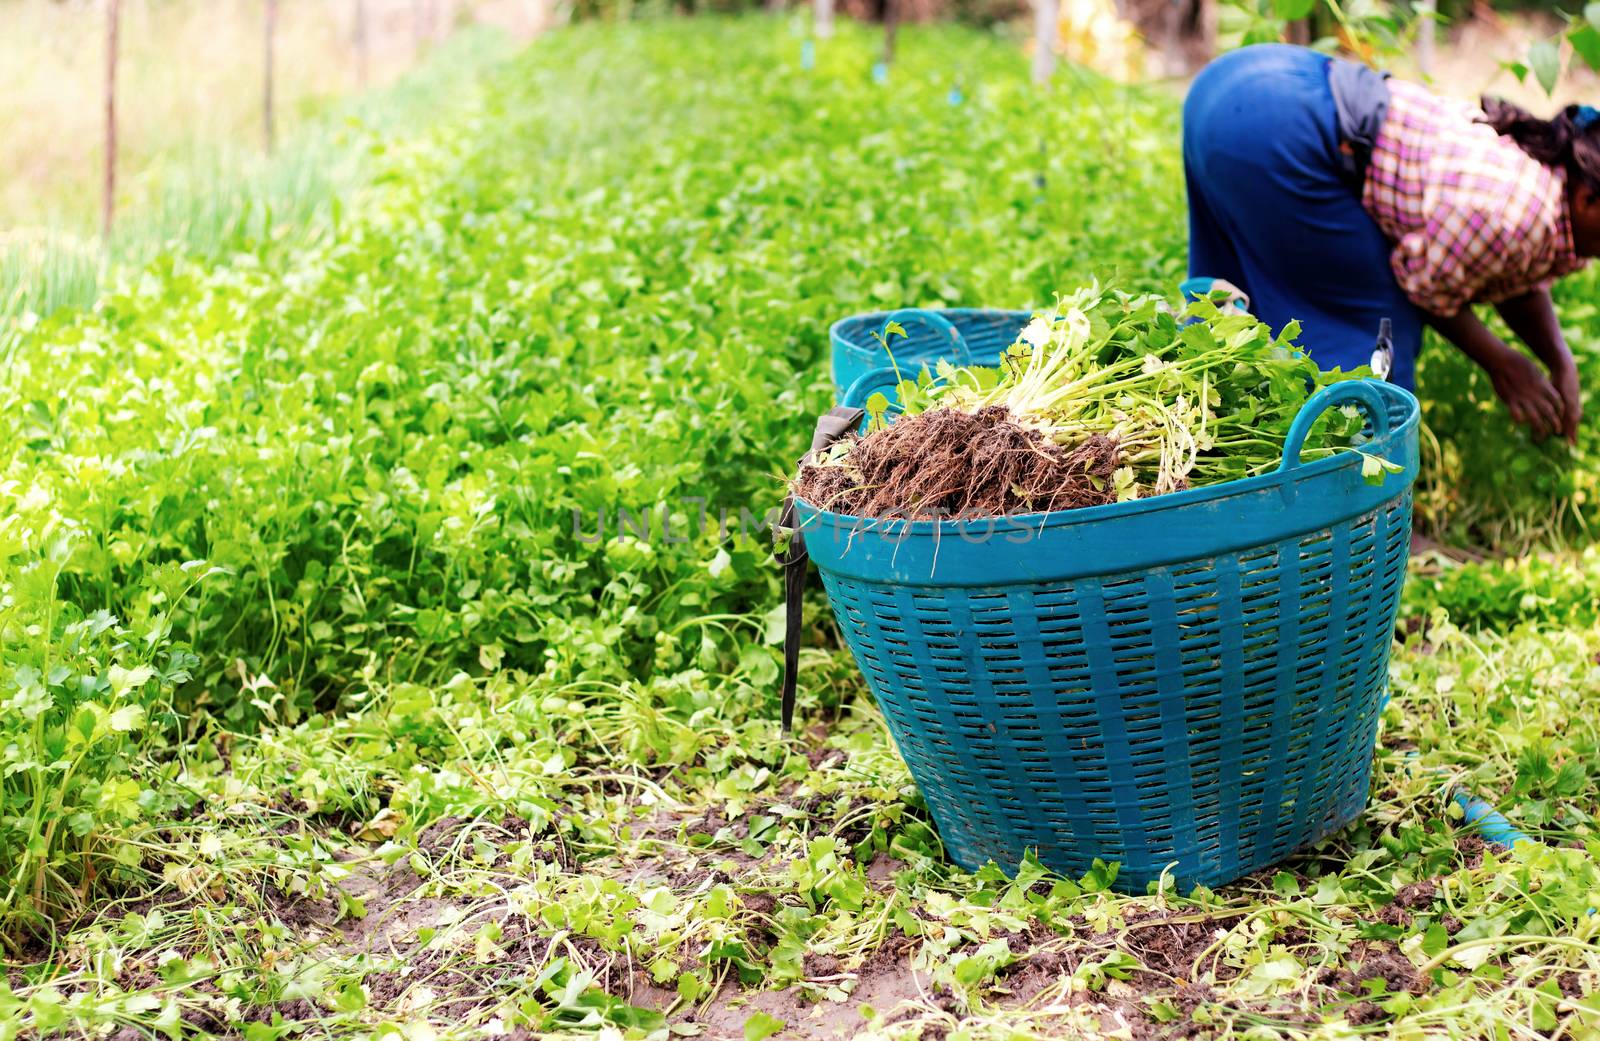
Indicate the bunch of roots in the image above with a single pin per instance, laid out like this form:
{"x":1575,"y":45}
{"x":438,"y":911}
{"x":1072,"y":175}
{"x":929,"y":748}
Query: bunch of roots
{"x":947,"y":463}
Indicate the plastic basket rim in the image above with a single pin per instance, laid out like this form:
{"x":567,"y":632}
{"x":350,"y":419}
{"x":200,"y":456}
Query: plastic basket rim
{"x":837,"y":338}
{"x":1155,"y":504}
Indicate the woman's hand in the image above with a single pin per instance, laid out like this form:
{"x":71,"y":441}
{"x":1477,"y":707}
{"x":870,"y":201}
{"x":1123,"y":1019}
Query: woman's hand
{"x":1532,"y":398}
{"x":1532,"y":316}
{"x":1547,"y":405}
{"x":1565,"y":379}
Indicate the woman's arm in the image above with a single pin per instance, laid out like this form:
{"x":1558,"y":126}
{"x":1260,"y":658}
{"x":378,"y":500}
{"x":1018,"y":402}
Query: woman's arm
{"x":1532,"y":316}
{"x":1531,"y":397}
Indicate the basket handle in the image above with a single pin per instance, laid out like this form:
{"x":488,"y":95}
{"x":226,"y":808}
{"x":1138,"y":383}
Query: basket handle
{"x":868,"y":382}
{"x":1347,"y":392}
{"x":935,"y":321}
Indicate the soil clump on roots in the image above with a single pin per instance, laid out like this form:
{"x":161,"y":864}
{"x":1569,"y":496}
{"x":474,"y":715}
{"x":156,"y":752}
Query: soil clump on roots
{"x":946,"y":463}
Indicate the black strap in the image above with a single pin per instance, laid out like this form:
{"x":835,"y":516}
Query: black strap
{"x":836,"y":424}
{"x":1361,"y":99}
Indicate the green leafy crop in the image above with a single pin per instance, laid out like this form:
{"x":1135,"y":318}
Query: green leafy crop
{"x":1189,"y":399}
{"x":466,"y":726}
{"x":502,"y":419}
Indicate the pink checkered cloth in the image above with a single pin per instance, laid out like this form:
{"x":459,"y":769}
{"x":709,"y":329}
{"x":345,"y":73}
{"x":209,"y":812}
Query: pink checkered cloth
{"x":1473,"y":217}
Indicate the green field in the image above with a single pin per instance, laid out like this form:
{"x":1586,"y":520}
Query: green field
{"x":325,"y":713}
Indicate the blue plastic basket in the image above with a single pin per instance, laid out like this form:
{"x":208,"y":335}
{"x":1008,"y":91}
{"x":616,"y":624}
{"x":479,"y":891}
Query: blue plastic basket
{"x":1188,"y":684}
{"x":964,"y":336}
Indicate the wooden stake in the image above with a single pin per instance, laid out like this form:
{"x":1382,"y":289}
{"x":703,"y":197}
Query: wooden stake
{"x":891,"y":25}
{"x":1172,"y":35}
{"x":1427,"y":35}
{"x":108,"y":204}
{"x":269,"y":41}
{"x":824,"y":19}
{"x":1044,"y":40}
{"x":361,"y":40}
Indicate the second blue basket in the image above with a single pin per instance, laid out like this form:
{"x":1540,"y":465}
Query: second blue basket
{"x":963,"y":336}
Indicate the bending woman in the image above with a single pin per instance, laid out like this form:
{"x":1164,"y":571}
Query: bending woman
{"x":1334,"y":195}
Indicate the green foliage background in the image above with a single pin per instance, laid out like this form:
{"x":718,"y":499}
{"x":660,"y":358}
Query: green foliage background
{"x":288,"y":549}
{"x":593,"y":293}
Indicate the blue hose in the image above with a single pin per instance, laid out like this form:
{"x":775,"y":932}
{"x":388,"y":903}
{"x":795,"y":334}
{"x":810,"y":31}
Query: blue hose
{"x":1490,"y":823}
